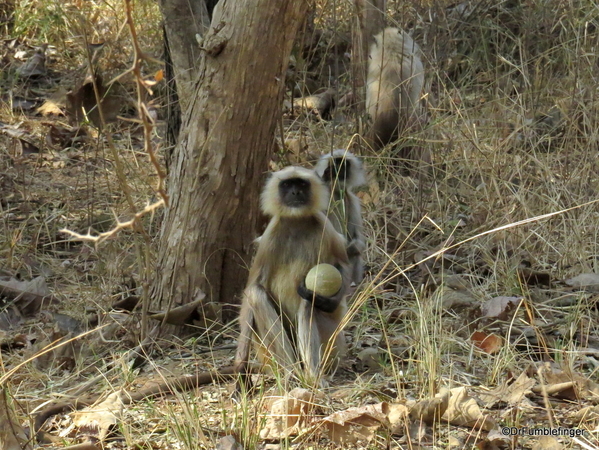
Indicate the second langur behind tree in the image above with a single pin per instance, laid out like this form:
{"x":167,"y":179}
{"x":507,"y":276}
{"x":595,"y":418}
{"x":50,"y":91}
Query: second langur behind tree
{"x":342,"y":172}
{"x":287,"y":323}
{"x":395,"y":85}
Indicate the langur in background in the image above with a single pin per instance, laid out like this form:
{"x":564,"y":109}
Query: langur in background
{"x":342,"y":172}
{"x":394,"y":90}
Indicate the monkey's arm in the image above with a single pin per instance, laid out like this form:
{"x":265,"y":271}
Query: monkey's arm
{"x":356,"y":247}
{"x":320,"y":302}
{"x":356,"y":244}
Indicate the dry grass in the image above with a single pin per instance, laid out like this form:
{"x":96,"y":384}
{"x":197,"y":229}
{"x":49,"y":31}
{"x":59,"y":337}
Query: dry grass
{"x":514,"y":133}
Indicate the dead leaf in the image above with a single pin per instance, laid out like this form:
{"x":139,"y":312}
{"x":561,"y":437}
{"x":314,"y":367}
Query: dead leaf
{"x":10,"y":342}
{"x":36,"y":286}
{"x":295,"y":147}
{"x":496,"y":439}
{"x":22,"y":138}
{"x":489,"y":343}
{"x":512,"y":393}
{"x":500,"y":307}
{"x":97,"y":421}
{"x":51,"y":108}
{"x":27,"y":296}
{"x":61,"y":137}
{"x":430,"y":411}
{"x":419,"y":432}
{"x":464,"y":411}
{"x":547,"y":443}
{"x":588,"y":281}
{"x":58,"y":350}
{"x":372,"y":195}
{"x":13,"y":131}
{"x":521,"y":387}
{"x":398,"y":416}
{"x":12,"y":435}
{"x":67,"y":324}
{"x":228,"y":443}
{"x":27,"y":148}
{"x":357,"y":424}
{"x":81,"y":104}
{"x":22,"y":104}
{"x":10,"y":317}
{"x":288,"y":414}
{"x":454,"y":442}
{"x":453,"y":298}
{"x":36,"y":65}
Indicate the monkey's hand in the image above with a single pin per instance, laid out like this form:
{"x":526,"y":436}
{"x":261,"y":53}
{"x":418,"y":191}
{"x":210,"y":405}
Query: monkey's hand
{"x":355,"y":247}
{"x":324,"y":304}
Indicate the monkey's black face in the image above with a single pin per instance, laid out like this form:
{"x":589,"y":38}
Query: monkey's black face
{"x":295,"y":192}
{"x":338,"y":171}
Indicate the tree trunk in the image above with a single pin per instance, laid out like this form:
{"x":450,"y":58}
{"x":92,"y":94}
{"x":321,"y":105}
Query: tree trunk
{"x":183,"y":20}
{"x":224,"y":147}
{"x":369,"y":20}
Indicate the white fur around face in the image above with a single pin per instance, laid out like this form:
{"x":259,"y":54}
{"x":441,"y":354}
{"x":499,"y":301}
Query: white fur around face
{"x":357,"y":177}
{"x":271,"y":200}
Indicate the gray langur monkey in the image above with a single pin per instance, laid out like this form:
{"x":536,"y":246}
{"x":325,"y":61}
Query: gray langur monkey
{"x":286,"y":323}
{"x":394,"y":89}
{"x":342,"y":172}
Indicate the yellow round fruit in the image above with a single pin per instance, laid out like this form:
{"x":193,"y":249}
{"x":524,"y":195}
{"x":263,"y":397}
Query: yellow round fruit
{"x":324,"y":279}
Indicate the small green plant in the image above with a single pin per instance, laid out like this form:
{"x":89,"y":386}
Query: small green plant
{"x":41,"y":20}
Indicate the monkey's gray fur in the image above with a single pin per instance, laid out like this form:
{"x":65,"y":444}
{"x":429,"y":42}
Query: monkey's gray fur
{"x":395,"y":85}
{"x":342,"y":171}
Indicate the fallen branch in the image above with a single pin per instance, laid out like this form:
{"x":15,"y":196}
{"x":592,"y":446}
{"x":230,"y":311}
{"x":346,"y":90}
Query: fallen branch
{"x":31,"y":302}
{"x":119,"y":226}
{"x":179,"y":384}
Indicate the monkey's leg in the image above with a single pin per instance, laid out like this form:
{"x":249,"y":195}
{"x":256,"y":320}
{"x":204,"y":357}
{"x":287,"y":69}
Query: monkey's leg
{"x":269,"y":328}
{"x":354,"y":251}
{"x":244,"y":342}
{"x":357,"y":269}
{"x":308,"y":339}
{"x":334,"y":346}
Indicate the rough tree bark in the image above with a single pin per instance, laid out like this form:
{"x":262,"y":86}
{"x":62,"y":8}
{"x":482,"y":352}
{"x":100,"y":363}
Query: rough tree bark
{"x":226,"y":141}
{"x":183,"y":20}
{"x":369,"y":20}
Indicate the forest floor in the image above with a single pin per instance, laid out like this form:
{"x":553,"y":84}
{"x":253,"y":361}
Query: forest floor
{"x":477,"y":325}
